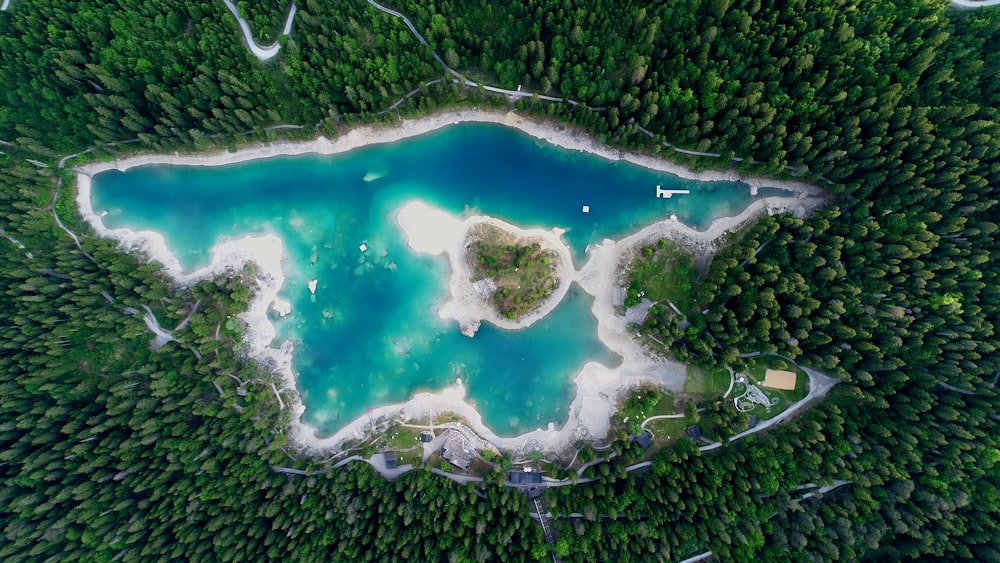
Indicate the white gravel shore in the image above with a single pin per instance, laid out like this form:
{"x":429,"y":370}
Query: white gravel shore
{"x":433,"y":231}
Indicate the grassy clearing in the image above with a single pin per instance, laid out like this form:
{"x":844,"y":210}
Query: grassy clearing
{"x":706,"y":384}
{"x":524,"y":274}
{"x":641,"y":404}
{"x":662,"y":273}
{"x":666,"y":431}
{"x":756,"y":371}
{"x":400,"y":438}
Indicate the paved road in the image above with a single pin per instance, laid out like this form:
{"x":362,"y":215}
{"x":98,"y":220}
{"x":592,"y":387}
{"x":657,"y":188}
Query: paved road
{"x":262,"y":52}
{"x":698,"y":557}
{"x":819,"y":386}
{"x":975,"y":3}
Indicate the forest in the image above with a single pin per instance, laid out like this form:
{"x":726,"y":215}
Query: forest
{"x":111,"y":450}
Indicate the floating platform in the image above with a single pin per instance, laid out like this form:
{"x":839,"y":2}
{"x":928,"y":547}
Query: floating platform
{"x":662,"y":193}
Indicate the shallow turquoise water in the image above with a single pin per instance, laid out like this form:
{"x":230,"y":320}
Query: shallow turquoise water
{"x":371,"y":335}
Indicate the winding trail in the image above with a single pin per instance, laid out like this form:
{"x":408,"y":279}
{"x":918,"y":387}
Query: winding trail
{"x":732,"y":382}
{"x":59,"y":223}
{"x":262,"y":52}
{"x":16,"y":243}
{"x":514,"y":95}
{"x":822,"y":491}
{"x":975,"y":3}
{"x":819,"y":386}
{"x":162,"y":336}
{"x":944,"y":385}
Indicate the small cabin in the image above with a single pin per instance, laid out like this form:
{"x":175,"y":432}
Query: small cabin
{"x":390,"y":460}
{"x":645,"y":439}
{"x":524,"y":478}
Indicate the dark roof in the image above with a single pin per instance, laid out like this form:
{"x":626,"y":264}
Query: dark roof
{"x":390,"y":460}
{"x":457,"y":451}
{"x":752,"y":421}
{"x":644,"y":439}
{"x":534,"y":492}
{"x":425,"y":436}
{"x":693,"y":432}
{"x":525,"y":477}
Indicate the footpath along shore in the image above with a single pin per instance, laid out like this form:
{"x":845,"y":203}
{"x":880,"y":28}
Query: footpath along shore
{"x":433,"y":231}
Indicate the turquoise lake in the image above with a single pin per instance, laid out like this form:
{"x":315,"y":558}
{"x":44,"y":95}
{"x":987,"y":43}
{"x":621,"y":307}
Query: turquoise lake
{"x":370,"y":335}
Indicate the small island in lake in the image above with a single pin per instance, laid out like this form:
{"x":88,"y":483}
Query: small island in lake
{"x":497,"y":289}
{"x":522,"y":274}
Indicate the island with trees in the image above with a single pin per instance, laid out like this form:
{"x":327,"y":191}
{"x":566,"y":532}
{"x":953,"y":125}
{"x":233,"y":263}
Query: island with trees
{"x":523,"y":274}
{"x":110,"y":450}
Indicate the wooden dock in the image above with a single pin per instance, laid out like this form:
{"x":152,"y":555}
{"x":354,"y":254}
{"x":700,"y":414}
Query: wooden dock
{"x":662,"y":193}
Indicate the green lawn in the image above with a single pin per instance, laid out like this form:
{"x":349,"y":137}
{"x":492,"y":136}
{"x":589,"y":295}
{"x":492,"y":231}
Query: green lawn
{"x":666,"y":431}
{"x":662,"y":273}
{"x":756,"y":370}
{"x":706,"y":384}
{"x":404,"y":441}
{"x":639,"y":405}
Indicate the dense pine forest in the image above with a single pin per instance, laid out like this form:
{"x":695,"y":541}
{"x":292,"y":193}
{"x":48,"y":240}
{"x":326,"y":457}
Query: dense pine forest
{"x":113,"y":450}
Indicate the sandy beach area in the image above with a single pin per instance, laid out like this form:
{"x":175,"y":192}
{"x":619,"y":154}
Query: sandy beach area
{"x":433,"y":231}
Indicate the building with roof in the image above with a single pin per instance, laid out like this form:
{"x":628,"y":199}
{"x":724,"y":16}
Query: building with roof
{"x":524,"y":478}
{"x":390,"y":459}
{"x":457,"y":450}
{"x":693,"y":432}
{"x":645,"y":439}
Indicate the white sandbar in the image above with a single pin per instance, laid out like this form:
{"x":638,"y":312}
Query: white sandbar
{"x":433,"y":231}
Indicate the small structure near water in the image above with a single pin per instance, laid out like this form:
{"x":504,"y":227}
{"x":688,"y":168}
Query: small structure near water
{"x":457,"y":450}
{"x":662,"y":193}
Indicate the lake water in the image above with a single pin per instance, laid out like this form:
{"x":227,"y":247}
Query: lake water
{"x":370,"y":335}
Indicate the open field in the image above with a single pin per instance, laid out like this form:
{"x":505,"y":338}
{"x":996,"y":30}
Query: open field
{"x":785,"y":398}
{"x":662,"y":273}
{"x":706,"y":384}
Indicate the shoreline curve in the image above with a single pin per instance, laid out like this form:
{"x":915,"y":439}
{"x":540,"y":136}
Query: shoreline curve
{"x":597,"y":386}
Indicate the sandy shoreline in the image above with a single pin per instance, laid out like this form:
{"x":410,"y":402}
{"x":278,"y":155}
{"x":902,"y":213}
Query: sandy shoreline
{"x":433,"y":231}
{"x":597,"y":386}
